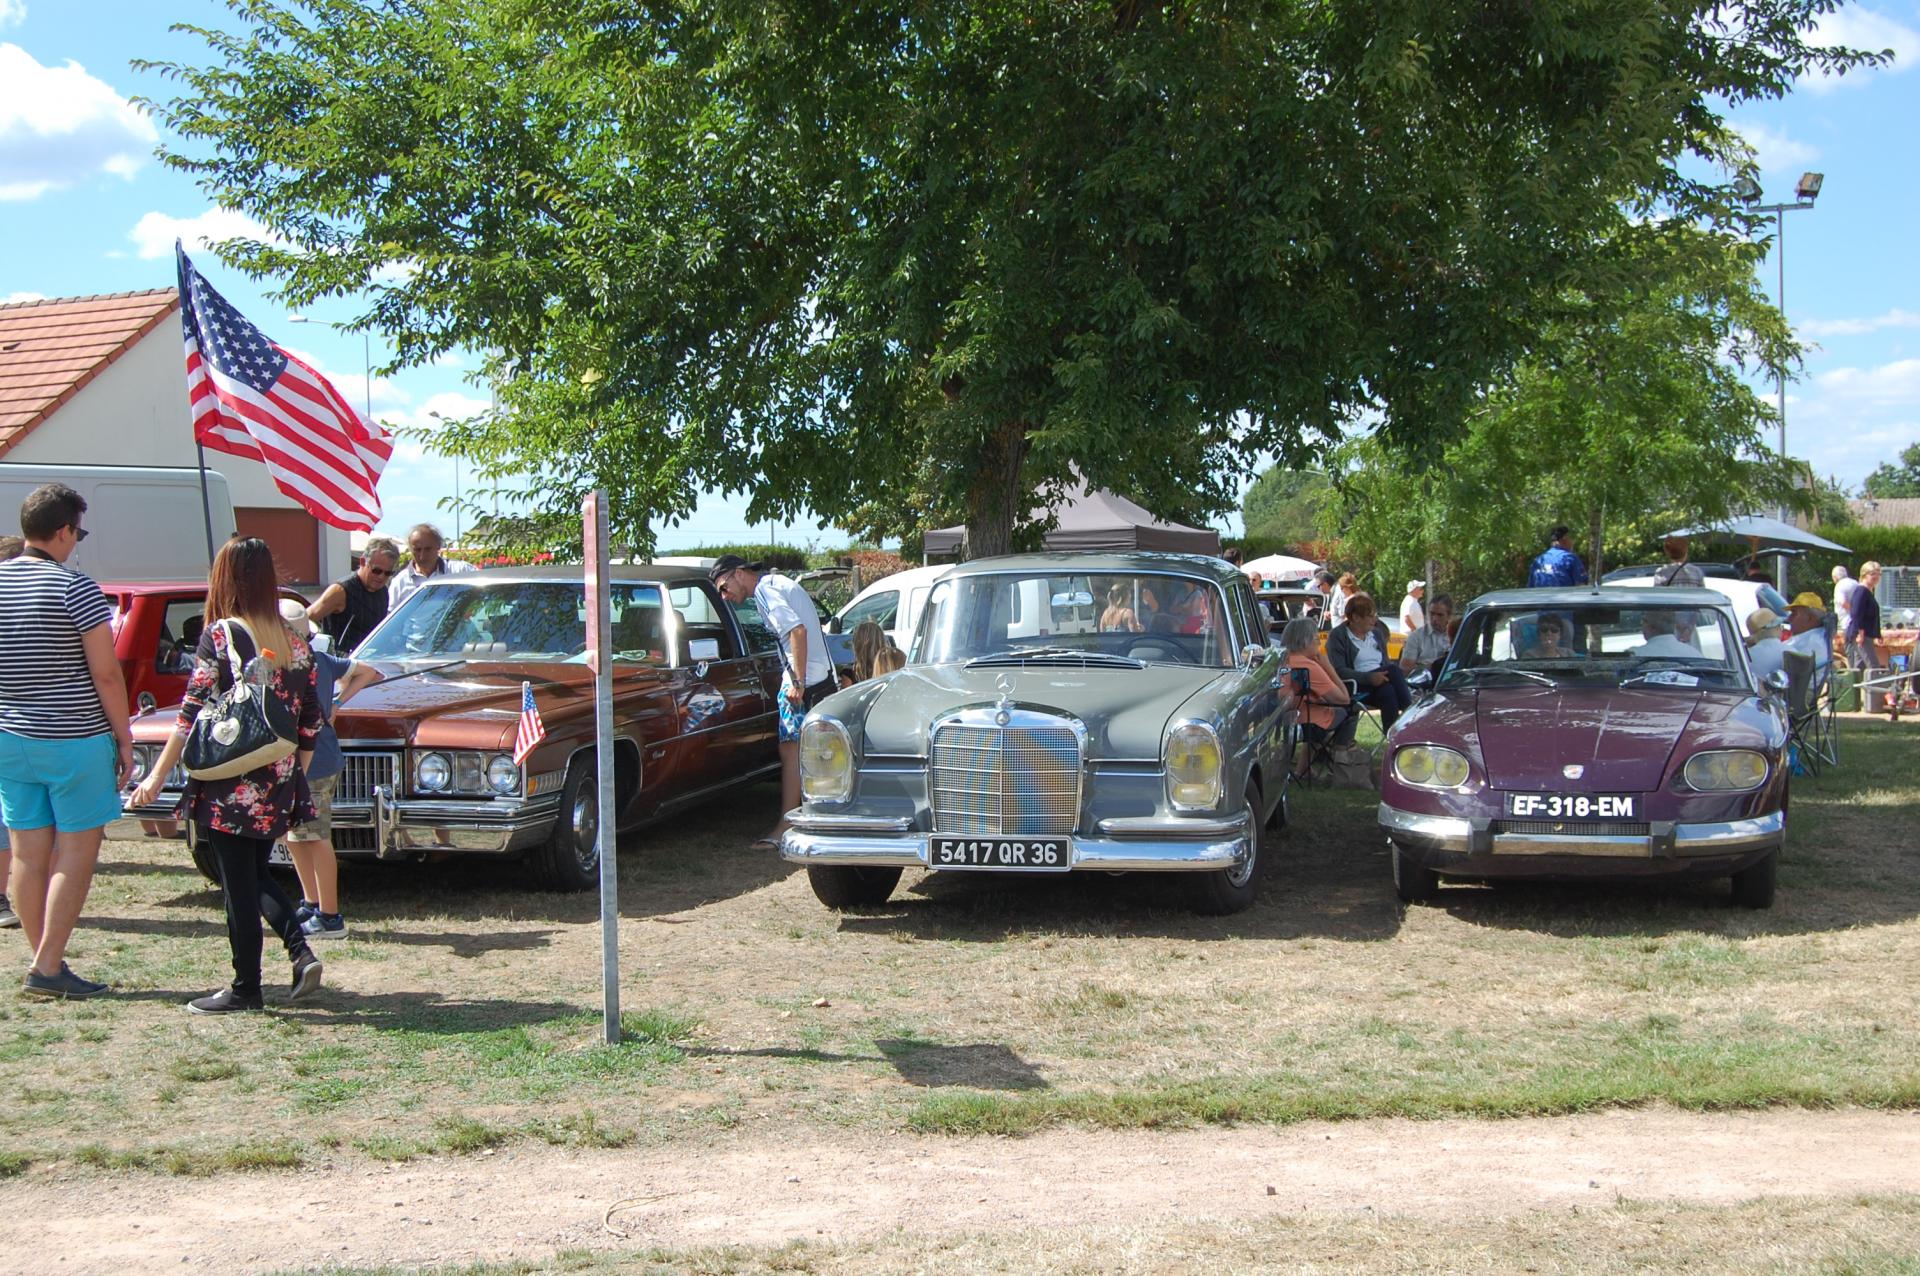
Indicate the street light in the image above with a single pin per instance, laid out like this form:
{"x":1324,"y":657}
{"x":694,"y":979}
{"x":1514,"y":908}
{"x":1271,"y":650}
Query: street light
{"x":366,"y":350}
{"x":456,"y":481}
{"x":1805,"y":192}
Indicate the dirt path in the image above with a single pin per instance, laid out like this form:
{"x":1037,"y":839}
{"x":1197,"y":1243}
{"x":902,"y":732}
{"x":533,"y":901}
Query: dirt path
{"x":525,"y":1203}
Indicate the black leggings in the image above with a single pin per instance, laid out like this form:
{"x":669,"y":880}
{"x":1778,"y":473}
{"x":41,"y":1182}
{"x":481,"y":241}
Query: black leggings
{"x":252,"y":893}
{"x":1392,"y":697}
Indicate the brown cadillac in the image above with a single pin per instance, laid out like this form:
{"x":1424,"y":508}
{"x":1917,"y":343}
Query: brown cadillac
{"x":429,"y":752}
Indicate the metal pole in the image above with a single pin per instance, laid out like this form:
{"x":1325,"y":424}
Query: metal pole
{"x":206,"y":502}
{"x":1780,"y":226}
{"x":599,"y":644}
{"x":366,"y":353}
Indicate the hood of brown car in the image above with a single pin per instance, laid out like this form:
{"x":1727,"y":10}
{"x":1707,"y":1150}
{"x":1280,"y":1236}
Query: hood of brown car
{"x":474,"y":704}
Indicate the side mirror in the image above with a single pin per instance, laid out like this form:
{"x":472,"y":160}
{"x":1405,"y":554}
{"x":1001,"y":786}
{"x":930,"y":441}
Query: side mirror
{"x":833,"y":624}
{"x":1777,"y":682}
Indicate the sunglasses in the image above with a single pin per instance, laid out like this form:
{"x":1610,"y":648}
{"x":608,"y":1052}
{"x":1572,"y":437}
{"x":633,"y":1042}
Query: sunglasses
{"x":381,"y":572}
{"x":79,"y":533}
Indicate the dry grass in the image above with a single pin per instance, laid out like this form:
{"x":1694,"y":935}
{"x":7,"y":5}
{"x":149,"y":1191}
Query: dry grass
{"x":1866,"y":1237}
{"x":465,"y":1009}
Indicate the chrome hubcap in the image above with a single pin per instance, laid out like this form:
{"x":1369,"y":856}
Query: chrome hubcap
{"x":586,"y":829}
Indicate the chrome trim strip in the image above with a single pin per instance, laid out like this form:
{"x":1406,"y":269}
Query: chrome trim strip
{"x":1180,"y":826}
{"x":1444,"y":831}
{"x":1090,"y":854}
{"x":828,"y":823}
{"x":1720,"y":836}
{"x":1596,"y":845}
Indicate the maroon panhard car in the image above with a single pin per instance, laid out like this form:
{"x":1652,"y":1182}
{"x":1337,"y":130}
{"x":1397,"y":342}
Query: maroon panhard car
{"x":1586,"y":733}
{"x":429,"y":752}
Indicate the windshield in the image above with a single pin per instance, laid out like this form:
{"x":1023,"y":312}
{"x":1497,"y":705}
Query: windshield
{"x":1626,"y":645}
{"x":515,"y":620}
{"x":1133,"y":618}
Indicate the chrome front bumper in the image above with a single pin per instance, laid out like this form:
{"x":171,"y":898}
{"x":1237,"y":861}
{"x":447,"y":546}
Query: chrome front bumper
{"x":406,"y":826}
{"x":1127,"y":845}
{"x":1438,"y":837}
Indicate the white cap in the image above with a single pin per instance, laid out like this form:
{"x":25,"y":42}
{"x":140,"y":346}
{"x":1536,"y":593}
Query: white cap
{"x":1416,"y":584}
{"x":295,"y":617}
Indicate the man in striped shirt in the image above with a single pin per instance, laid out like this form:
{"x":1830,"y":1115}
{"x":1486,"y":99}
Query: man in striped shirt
{"x":65,"y":748}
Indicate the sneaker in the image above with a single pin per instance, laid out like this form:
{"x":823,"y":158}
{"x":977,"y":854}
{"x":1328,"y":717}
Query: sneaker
{"x":226,"y":1002}
{"x":307,"y":972}
{"x":325,"y":926}
{"x":8,"y":918}
{"x":65,"y":986}
{"x":306,"y":909}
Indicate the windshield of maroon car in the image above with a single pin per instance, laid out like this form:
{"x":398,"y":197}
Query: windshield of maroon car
{"x":517,"y":620}
{"x":1151,"y":617}
{"x":1642,"y":645}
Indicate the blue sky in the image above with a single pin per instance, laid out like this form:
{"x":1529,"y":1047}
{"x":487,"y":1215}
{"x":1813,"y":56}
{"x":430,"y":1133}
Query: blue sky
{"x":84,"y":208}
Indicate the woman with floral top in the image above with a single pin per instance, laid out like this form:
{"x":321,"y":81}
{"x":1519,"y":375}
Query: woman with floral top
{"x":241,"y":818}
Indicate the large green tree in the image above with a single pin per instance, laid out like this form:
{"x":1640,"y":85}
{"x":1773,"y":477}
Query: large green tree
{"x":1889,"y":481}
{"x":945,"y":254}
{"x":1633,"y":412}
{"x":1284,"y":505}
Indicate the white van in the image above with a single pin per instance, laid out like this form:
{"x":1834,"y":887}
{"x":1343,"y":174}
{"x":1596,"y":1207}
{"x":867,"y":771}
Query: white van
{"x":143,"y":523}
{"x":892,"y":602}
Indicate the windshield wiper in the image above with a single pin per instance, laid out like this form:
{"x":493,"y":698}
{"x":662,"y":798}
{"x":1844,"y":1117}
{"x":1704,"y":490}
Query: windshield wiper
{"x":1540,"y":678}
{"x":1020,"y":655}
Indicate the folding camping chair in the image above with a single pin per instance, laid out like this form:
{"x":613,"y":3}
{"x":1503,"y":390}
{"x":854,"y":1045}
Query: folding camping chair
{"x":1809,"y":713}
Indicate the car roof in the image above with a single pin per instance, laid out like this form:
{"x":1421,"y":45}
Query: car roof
{"x":1617,"y":595}
{"x":1104,"y":564}
{"x":664,"y":573}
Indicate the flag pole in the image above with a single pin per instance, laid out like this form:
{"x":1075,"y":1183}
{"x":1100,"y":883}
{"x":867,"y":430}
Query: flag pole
{"x":206,"y":502}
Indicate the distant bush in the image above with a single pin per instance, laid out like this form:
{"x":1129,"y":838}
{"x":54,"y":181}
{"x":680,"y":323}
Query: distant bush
{"x":785,"y":559}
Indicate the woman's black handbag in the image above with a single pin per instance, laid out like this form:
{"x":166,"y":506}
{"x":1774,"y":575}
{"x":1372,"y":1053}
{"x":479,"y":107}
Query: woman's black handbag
{"x":245,"y":727}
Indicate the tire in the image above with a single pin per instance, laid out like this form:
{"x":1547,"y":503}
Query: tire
{"x":1414,"y":883}
{"x":570,"y":860}
{"x":844,"y":886}
{"x":1753,"y":887}
{"x":1232,"y":890}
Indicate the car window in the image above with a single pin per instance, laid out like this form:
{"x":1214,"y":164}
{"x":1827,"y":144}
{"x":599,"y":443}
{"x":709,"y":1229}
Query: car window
{"x":880,"y":608}
{"x":1651,"y":645}
{"x":700,"y":620}
{"x":1151,"y":617}
{"x":517,"y":620}
{"x":759,"y":635}
{"x":180,"y":626}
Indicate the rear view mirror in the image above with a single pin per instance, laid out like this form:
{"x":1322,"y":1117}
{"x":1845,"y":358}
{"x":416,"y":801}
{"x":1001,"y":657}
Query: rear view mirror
{"x":699,"y":649}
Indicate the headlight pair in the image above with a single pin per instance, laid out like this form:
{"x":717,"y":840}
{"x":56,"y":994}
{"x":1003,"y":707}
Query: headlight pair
{"x":466,"y":771}
{"x":1726,"y":771}
{"x":826,"y":761}
{"x":1429,"y":766}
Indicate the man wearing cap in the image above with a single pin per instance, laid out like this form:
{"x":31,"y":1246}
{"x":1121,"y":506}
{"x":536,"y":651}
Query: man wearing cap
{"x":1764,"y":647}
{"x":806,"y":670}
{"x":1412,"y":615}
{"x":1807,"y":627}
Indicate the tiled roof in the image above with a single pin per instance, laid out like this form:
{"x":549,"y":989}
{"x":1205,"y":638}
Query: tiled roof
{"x":50,"y":349}
{"x":1894,"y":511}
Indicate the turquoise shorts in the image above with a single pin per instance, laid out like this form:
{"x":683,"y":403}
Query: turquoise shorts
{"x":74,"y":785}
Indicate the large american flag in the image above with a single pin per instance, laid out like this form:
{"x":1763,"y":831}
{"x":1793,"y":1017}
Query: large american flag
{"x":532,"y":731}
{"x":250,"y":398}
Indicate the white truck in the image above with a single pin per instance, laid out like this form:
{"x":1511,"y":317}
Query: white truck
{"x":143,"y":523}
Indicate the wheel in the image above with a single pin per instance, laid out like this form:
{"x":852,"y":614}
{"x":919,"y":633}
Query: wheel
{"x":1753,"y":887}
{"x":1231,"y":890}
{"x":842,"y":886}
{"x":570,"y":860}
{"x":202,"y":855}
{"x":1413,"y":883}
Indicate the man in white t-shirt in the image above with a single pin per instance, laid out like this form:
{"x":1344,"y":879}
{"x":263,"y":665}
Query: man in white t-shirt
{"x":1412,"y":614}
{"x":1842,"y":586}
{"x":424,"y":562}
{"x":806,"y":669}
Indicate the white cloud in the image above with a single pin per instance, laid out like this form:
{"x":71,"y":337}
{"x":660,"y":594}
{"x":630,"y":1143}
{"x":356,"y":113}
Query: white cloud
{"x":1895,"y":318}
{"x":1855,"y":27}
{"x":1889,"y":384}
{"x":59,"y":125}
{"x":1773,"y":150}
{"x":15,"y":297}
{"x":451,"y":405}
{"x":12,"y":12}
{"x":154,"y":233}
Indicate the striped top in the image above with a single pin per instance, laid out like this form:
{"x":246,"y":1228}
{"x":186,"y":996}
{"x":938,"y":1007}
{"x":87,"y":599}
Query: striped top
{"x":46,"y":690}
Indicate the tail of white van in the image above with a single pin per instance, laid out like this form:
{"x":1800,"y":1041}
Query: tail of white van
{"x":143,"y":523}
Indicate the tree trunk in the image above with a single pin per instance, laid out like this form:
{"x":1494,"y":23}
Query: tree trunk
{"x":996,"y":498}
{"x":1599,"y":564}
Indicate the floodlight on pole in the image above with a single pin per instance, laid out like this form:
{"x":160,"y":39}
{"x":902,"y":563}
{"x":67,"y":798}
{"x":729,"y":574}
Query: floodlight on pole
{"x":1805,"y":192}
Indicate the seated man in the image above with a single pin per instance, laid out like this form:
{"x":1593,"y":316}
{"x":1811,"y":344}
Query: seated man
{"x":1658,"y":626}
{"x":1807,"y":625}
{"x":1764,"y":648}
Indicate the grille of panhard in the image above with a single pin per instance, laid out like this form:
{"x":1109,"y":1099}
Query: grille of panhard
{"x":1005,"y":781}
{"x":1571,"y":828}
{"x":363,"y":773}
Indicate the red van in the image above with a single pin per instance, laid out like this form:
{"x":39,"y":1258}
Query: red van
{"x":156,"y":626}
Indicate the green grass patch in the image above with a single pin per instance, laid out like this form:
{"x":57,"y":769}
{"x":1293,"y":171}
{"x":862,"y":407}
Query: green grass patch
{"x":14,"y":1164}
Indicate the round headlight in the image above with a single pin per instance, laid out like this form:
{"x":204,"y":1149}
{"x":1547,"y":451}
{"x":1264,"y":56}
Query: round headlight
{"x":826,"y":761}
{"x":1726,"y":771}
{"x":1429,"y":766}
{"x":142,"y":761}
{"x":433,"y":772}
{"x":503,"y":774}
{"x":1193,"y":758}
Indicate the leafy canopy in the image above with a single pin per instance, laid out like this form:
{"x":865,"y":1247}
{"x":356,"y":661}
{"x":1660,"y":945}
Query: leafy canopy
{"x":1633,"y":412}
{"x":1889,"y":481}
{"x":864,"y":257}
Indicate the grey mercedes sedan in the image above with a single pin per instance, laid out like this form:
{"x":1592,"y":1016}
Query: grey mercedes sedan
{"x":1058,"y":713}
